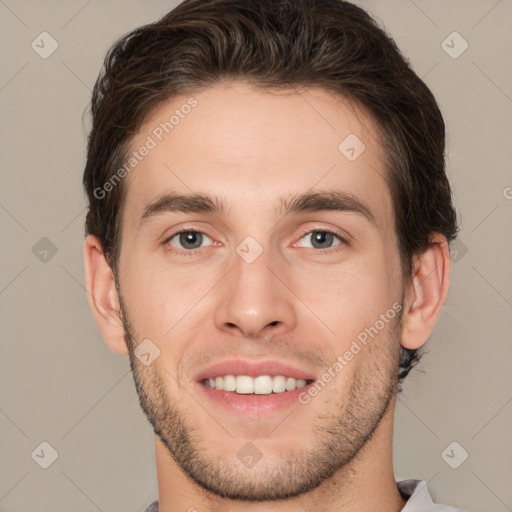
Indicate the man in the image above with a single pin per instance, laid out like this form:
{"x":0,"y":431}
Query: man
{"x":291,"y":145}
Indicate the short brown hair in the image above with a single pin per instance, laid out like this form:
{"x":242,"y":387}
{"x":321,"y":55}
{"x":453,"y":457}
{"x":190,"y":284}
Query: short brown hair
{"x":331,"y":44}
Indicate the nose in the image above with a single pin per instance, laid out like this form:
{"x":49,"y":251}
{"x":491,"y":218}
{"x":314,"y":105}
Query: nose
{"x":254,"y":299}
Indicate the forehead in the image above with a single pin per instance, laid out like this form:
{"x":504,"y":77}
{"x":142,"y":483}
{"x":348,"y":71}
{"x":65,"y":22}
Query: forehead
{"x":250,"y":148}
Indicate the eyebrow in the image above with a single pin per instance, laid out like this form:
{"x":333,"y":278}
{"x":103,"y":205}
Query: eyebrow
{"x":313,"y":201}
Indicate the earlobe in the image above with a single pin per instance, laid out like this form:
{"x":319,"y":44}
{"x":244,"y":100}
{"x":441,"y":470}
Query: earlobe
{"x":427,"y":293}
{"x":102,"y":296}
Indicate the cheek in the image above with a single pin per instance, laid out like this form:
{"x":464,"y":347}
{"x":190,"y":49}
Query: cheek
{"x":158,"y":296}
{"x":350,"y":297}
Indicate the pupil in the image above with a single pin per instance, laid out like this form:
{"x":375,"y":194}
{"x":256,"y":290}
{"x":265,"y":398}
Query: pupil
{"x":321,"y":237}
{"x":188,"y":237}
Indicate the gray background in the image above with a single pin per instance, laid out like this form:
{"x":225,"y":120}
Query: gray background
{"x":60,"y":384}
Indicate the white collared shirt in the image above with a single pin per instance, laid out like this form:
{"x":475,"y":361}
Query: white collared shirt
{"x":419,"y":499}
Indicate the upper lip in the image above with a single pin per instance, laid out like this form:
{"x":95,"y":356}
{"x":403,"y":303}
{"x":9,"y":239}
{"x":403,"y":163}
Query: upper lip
{"x":253,"y":369}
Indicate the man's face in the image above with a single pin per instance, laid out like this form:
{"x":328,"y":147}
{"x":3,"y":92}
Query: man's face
{"x":253,"y":285}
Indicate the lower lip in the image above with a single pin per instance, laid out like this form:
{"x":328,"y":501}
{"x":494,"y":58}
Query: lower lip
{"x":253,"y":404}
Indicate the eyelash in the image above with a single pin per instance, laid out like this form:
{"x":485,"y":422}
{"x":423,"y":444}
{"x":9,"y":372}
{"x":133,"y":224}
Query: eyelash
{"x":194,"y":252}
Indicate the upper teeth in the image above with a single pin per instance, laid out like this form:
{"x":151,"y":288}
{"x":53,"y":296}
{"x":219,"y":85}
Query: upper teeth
{"x":262,"y":385}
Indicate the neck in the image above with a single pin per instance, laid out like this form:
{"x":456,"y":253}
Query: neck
{"x":366,"y":484}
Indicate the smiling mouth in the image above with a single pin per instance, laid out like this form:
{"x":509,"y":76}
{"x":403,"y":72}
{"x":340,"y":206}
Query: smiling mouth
{"x":261,"y":385}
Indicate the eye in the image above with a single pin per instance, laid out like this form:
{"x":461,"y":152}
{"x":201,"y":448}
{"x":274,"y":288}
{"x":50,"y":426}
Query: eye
{"x":187,"y":239}
{"x":322,"y":239}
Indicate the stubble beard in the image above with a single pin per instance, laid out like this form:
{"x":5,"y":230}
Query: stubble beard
{"x":333,"y":446}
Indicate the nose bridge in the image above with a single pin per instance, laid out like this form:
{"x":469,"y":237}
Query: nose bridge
{"x":253,"y":299}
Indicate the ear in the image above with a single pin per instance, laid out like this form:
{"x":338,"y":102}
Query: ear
{"x":426,"y":293}
{"x":102,"y":295}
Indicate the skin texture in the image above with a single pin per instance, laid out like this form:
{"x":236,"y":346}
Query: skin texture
{"x":249,"y":148}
